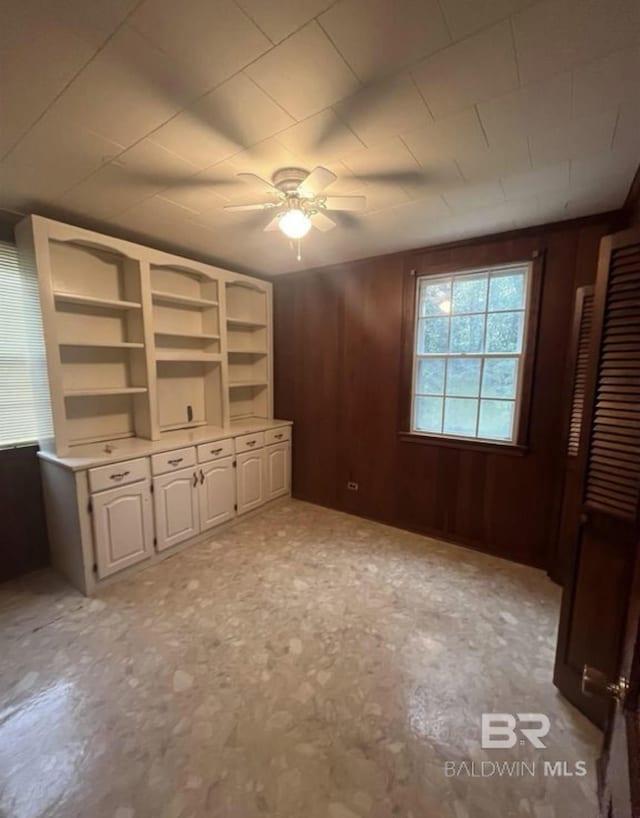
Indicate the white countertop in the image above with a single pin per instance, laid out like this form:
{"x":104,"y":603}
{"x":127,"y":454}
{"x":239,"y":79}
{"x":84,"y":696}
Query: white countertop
{"x":101,"y":454}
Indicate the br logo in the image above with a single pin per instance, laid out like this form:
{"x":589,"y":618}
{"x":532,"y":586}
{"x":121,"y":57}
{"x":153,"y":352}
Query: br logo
{"x":503,"y":730}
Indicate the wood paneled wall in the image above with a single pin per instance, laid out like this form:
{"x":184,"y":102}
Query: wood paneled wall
{"x":338,"y":376}
{"x":23,"y":542}
{"x":632,"y":205}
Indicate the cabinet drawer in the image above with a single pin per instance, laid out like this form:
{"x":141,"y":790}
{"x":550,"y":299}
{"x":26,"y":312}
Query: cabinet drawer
{"x":214,"y":450}
{"x":278,"y":435}
{"x":174,"y":460}
{"x":246,"y":443}
{"x":117,"y":474}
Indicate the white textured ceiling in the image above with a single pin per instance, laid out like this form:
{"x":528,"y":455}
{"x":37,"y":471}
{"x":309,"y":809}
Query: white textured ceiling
{"x":487,"y":114}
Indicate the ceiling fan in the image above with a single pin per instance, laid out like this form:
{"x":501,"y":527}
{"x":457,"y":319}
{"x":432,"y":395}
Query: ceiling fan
{"x":299,"y":202}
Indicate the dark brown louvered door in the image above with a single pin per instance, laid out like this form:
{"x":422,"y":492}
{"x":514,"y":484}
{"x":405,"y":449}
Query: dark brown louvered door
{"x":584,"y":323}
{"x":574,"y":465}
{"x":613,"y":473}
{"x":605,"y":524}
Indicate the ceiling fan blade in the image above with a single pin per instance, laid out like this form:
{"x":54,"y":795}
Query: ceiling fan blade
{"x":252,"y":178}
{"x":372,"y":97}
{"x":316,"y":181}
{"x":162,"y":179}
{"x":401,"y":177}
{"x":256,"y":206}
{"x":273,"y":224}
{"x":322,"y":222}
{"x":345,"y":202}
{"x":344,"y":218}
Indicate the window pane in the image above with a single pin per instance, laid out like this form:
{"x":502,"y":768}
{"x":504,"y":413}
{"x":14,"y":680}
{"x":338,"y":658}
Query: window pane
{"x":466,"y":333}
{"x":435,"y":299}
{"x":499,"y":378}
{"x":496,"y":419}
{"x":504,"y":332}
{"x":506,"y":292}
{"x":469,"y":294}
{"x":463,"y":377}
{"x":430,"y":376}
{"x":428,"y":414}
{"x":433,"y":335}
{"x":469,"y":341}
{"x":460,"y":416}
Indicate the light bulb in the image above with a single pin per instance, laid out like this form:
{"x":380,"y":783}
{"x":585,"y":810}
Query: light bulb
{"x":294,"y":223}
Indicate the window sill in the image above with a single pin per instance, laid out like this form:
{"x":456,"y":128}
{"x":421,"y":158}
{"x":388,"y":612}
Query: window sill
{"x":510,"y":449}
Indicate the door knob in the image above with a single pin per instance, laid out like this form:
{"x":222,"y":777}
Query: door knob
{"x":595,"y":683}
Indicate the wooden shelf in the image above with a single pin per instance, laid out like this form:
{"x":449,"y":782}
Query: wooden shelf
{"x":92,"y":301}
{"x":195,"y":424}
{"x":201,"y":336}
{"x":146,"y":345}
{"x":185,"y":355}
{"x":102,"y":344}
{"x":244,"y":384}
{"x":240,"y":322}
{"x":161,"y":297}
{"x":113,"y":390}
{"x":87,"y":441}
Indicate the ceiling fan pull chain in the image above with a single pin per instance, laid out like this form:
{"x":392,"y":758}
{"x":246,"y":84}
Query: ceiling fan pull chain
{"x":299,"y":253}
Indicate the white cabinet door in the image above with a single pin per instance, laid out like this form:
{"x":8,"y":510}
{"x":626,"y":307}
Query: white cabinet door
{"x":176,"y":502}
{"x":217,"y":492}
{"x":278,"y":459}
{"x":250,"y":480}
{"x":123,"y":527}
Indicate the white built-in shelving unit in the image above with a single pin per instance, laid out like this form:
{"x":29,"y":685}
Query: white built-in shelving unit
{"x":140,"y":342}
{"x":160,"y":376}
{"x":248,"y":349}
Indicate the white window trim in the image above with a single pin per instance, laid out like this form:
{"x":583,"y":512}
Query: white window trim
{"x":521,"y":356}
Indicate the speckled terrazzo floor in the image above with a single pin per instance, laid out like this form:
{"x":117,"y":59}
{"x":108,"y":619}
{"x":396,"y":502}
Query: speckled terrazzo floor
{"x":303,"y":664}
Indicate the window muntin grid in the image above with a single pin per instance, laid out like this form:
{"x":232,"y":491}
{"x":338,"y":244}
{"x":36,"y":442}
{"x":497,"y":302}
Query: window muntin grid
{"x":469,"y":344}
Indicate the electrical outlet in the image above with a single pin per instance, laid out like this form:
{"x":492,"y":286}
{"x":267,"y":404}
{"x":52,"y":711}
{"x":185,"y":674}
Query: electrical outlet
{"x":352,"y":486}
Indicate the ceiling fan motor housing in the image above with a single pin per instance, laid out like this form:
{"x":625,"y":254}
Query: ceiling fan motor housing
{"x":288,"y":179}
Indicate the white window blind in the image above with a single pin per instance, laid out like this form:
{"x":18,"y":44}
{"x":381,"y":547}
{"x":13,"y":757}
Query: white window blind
{"x":25,"y":413}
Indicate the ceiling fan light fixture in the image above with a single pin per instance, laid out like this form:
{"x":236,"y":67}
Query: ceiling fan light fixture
{"x":295,"y":223}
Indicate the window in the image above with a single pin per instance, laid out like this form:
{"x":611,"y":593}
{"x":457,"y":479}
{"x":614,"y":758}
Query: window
{"x":469,"y":345}
{"x":24,"y":394}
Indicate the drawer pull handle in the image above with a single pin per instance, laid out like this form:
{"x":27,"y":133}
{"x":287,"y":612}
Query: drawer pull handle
{"x":118,"y":475}
{"x":277,"y":437}
{"x":216,"y":451}
{"x":195,"y":479}
{"x":251,"y":442}
{"x":201,"y":477}
{"x":175,"y":461}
